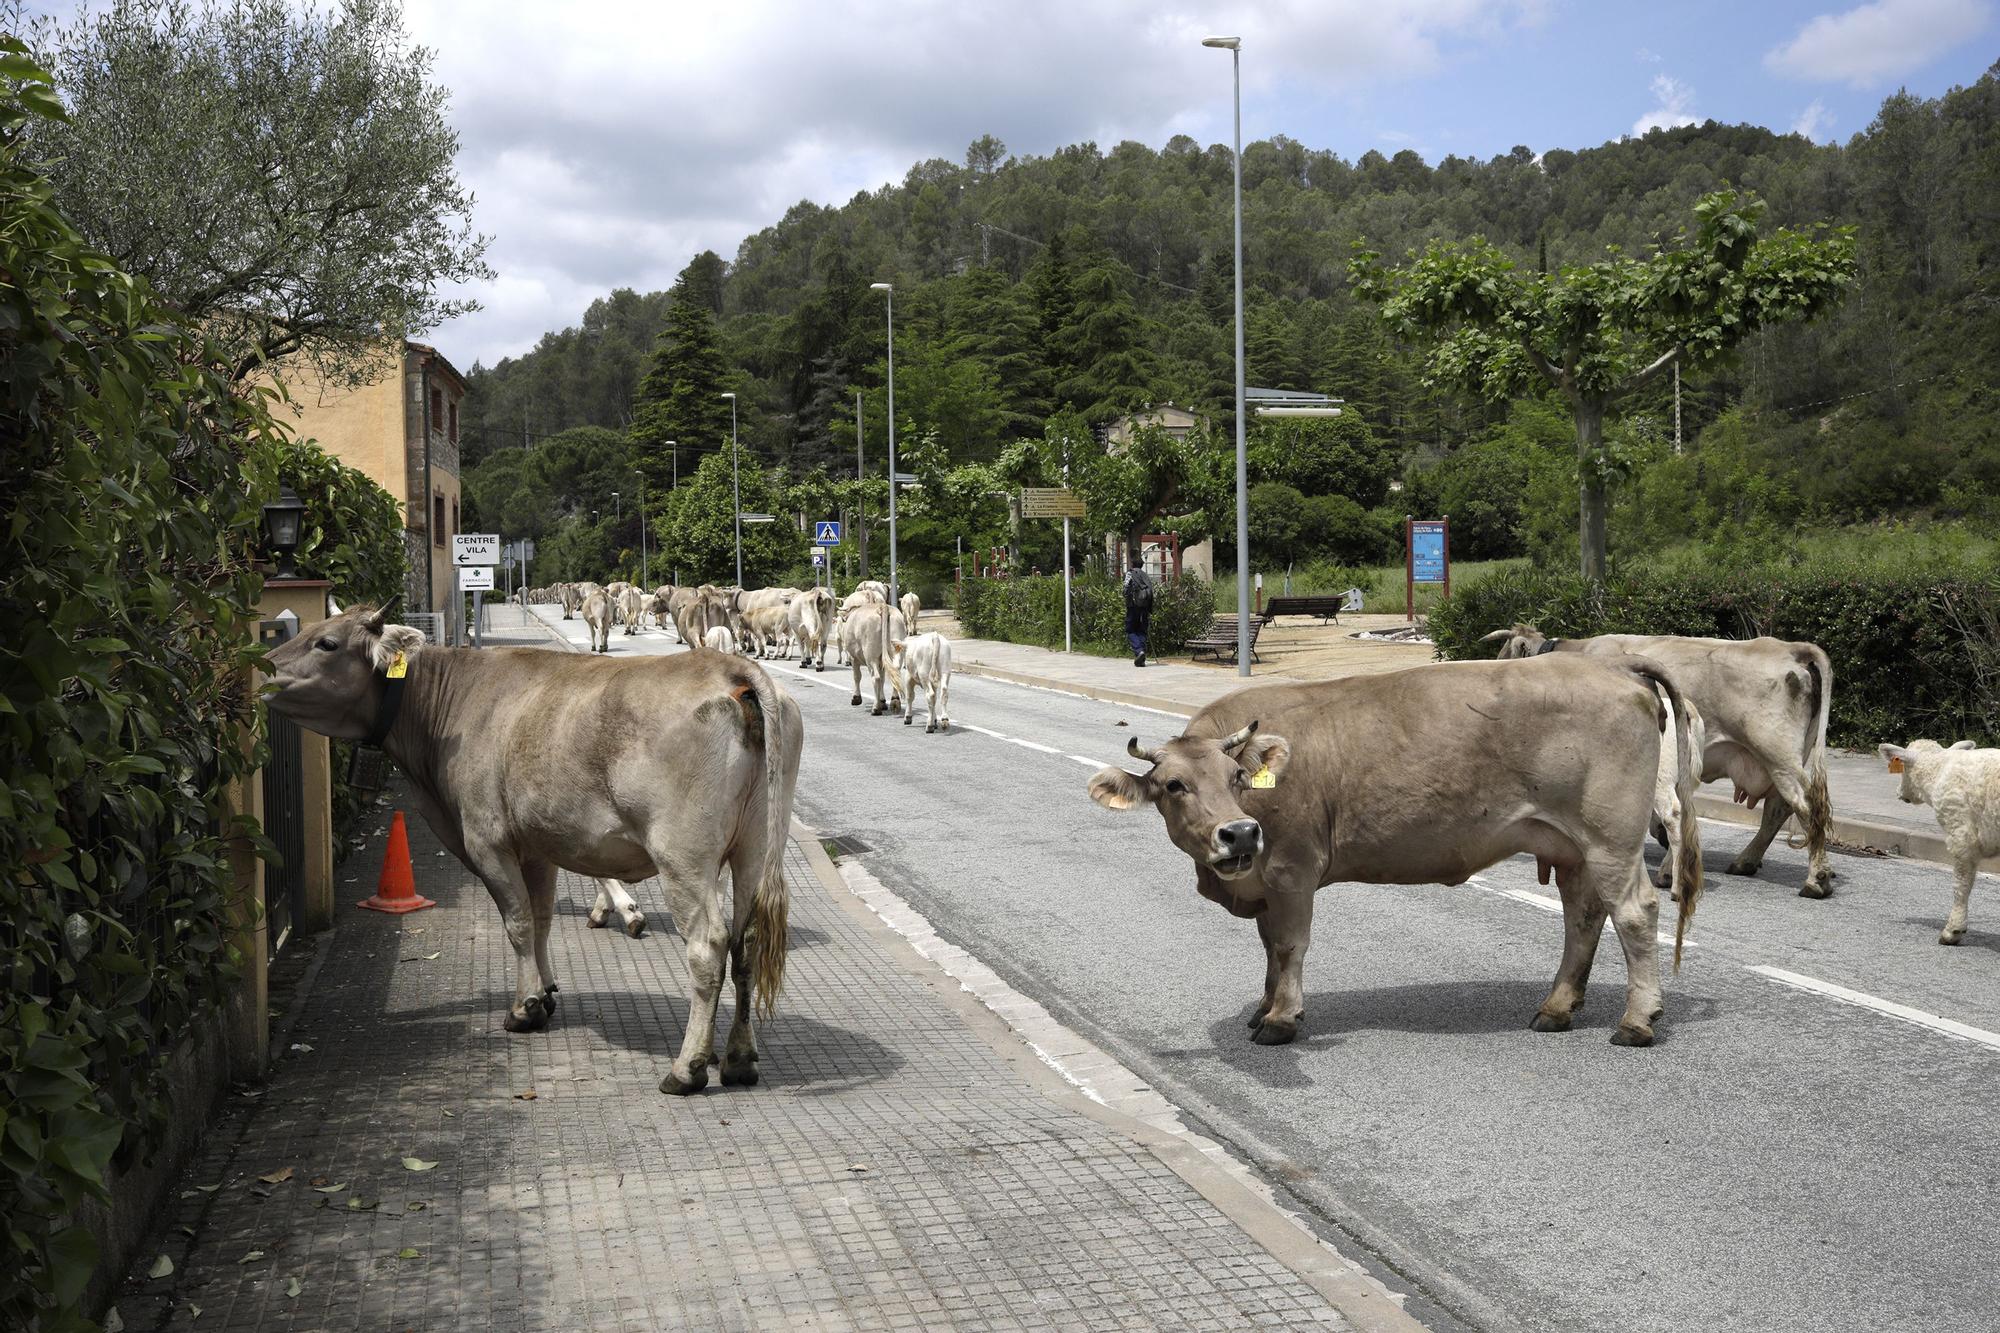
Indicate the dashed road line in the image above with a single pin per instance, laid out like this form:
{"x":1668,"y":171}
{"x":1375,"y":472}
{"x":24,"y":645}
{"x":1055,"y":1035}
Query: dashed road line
{"x":1889,"y":1008}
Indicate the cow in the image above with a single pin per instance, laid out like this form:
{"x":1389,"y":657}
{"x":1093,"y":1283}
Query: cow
{"x":865,"y":637}
{"x":1763,"y":705}
{"x":809,"y":617}
{"x":649,"y":607}
{"x":1961,"y":785}
{"x":719,"y":639}
{"x":924,"y":659}
{"x":869,"y":593}
{"x":910,"y":606}
{"x":1429,"y":775}
{"x":1674,"y":788}
{"x":617,"y":590}
{"x":525,"y":761}
{"x":766,"y":628}
{"x":597,"y":617}
{"x":705,"y":610}
{"x":572,"y":599}
{"x":631,"y":607}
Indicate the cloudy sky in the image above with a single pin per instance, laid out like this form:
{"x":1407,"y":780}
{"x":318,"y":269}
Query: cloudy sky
{"x":609,"y":142}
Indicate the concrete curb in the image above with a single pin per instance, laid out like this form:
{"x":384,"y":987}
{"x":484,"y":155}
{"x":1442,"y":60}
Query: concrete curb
{"x":1082,"y":1077}
{"x":1895,"y":839}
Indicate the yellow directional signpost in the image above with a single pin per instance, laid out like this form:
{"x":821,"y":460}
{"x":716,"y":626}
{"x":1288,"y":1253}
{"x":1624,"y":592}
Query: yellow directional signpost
{"x":1050,"y":502}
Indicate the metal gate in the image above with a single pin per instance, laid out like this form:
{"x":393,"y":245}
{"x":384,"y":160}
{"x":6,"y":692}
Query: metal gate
{"x":284,"y":812}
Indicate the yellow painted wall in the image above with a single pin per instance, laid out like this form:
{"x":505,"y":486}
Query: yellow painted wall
{"x":361,"y":427}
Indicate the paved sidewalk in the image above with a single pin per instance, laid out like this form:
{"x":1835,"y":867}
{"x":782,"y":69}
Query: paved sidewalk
{"x":905,"y":1162}
{"x":1867,"y":810}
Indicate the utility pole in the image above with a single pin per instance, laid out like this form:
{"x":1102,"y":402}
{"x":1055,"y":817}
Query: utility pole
{"x":1677,"y":407}
{"x":860,"y":500}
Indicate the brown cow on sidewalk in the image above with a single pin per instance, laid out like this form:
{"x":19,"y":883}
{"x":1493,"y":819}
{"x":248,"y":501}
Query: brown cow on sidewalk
{"x":525,"y":761}
{"x":1764,"y":708}
{"x":1428,"y":776}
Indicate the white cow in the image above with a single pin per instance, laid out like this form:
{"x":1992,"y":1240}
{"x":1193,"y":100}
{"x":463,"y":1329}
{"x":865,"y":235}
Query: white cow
{"x":809,"y":618}
{"x":719,"y":639}
{"x":1962,"y":787}
{"x":631,"y":607}
{"x":910,"y":606}
{"x":869,"y":593}
{"x":767,"y":629}
{"x":597,"y":620}
{"x":924,"y":659}
{"x":865,"y":637}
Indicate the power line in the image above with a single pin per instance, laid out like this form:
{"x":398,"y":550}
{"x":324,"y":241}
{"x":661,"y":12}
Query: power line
{"x":988,"y":226}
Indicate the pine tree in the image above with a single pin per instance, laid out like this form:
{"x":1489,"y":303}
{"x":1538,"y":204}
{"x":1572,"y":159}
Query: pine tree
{"x":681,"y":397}
{"x":992,"y":323}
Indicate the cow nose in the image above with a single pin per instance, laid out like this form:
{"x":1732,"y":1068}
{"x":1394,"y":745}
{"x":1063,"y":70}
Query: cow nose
{"x":1241,"y":836}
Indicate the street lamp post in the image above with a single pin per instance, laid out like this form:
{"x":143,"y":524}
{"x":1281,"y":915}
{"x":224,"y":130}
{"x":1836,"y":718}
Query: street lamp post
{"x":889,"y":301}
{"x":1234,"y":45}
{"x":735,"y":489}
{"x":645,"y":570}
{"x":675,"y":445}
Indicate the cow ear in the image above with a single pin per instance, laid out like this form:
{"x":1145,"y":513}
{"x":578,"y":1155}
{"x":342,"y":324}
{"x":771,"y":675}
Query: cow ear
{"x":396,"y":641}
{"x":1265,"y":754}
{"x":1115,"y":789}
{"x":1892,"y":751}
{"x":1965,"y":745}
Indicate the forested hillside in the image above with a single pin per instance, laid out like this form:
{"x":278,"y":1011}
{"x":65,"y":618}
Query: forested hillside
{"x":1092,"y":281}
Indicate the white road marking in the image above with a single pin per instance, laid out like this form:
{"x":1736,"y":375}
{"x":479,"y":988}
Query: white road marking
{"x":1088,"y":763}
{"x":1862,"y":1000}
{"x":1548,"y":904}
{"x":1030,"y":745}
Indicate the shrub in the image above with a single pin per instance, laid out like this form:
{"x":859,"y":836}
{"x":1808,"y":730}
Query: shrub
{"x":130,"y":484}
{"x":1914,"y":650}
{"x":1030,"y":610}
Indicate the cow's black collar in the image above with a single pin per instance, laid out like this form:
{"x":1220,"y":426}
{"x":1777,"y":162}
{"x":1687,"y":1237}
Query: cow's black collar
{"x":1548,"y":646}
{"x":385,"y":716}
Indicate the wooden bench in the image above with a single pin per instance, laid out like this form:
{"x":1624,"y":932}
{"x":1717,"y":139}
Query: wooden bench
{"x":1220,"y":637}
{"x":1327,"y":608}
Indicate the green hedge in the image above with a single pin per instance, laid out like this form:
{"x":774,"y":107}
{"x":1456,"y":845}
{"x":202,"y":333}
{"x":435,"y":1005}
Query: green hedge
{"x":130,"y":486}
{"x":1916,"y":651}
{"x":1030,"y":610}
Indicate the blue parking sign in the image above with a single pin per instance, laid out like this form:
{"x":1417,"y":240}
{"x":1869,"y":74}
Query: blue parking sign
{"x":826,"y":532}
{"x":819,"y":560}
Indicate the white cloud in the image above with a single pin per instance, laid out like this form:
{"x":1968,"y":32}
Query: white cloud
{"x":1877,"y":42}
{"x":1673,"y":98}
{"x":1814,"y":122}
{"x":608,"y":144}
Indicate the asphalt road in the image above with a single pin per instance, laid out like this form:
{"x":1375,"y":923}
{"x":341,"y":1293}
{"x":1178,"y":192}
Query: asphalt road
{"x":1785,"y":1157}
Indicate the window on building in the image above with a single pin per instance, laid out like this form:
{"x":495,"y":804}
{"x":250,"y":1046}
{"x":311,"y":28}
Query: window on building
{"x":454,"y":513}
{"x":453,"y":411}
{"x":437,"y":408}
{"x":440,"y":535}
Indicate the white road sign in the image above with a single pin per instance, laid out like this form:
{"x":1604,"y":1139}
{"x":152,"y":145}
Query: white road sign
{"x":475,"y":548}
{"x":476,"y":578}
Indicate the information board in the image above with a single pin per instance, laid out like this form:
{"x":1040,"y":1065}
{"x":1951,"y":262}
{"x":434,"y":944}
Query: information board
{"x":475,"y":578}
{"x":1050,"y":502}
{"x":1427,"y":554}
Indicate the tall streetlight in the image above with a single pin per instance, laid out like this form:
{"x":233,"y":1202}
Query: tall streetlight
{"x":675,"y":445}
{"x":735,"y":489}
{"x":1234,"y":45}
{"x":889,"y":302}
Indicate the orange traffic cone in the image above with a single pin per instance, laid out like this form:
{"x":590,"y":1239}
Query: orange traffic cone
{"x":396,"y":890}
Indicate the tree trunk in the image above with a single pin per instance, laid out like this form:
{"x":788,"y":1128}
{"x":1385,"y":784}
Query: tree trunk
{"x":1591,"y":496}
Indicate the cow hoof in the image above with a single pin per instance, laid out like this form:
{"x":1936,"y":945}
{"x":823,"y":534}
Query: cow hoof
{"x":1275,"y":1034}
{"x":877,"y":712}
{"x":1628,"y":1035}
{"x":1950,"y":936}
{"x":855,"y":702}
{"x":534,"y":1016}
{"x":596,"y":920}
{"x":1744,"y":868}
{"x":636,"y":927}
{"x":741,"y":1074}
{"x":910,"y":721}
{"x":1547,"y":1022}
{"x":931,"y":729}
{"x":1815,"y":888}
{"x":549,"y":1001}
{"x":1257,"y":1020}
{"x":675,"y":1086}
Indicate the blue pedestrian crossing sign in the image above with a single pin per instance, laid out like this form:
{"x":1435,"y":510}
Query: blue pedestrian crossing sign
{"x":826,"y":532}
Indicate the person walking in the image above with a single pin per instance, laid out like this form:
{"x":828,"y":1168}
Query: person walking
{"x":1138,"y":609}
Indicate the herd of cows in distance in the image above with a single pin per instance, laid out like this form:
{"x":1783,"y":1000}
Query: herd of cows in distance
{"x":685,"y":765}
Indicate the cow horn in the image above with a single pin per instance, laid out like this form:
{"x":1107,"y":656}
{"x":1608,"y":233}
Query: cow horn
{"x":1241,"y":738}
{"x":333,"y":607}
{"x":1497,"y":636}
{"x":381,"y":616}
{"x":1138,"y":751}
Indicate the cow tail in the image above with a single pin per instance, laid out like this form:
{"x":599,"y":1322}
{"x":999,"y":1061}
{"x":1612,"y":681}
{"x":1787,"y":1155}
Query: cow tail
{"x":1687,"y":774}
{"x":1819,"y":806}
{"x":770,"y":908}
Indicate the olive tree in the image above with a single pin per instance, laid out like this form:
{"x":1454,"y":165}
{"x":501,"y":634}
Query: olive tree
{"x":282,"y":174}
{"x":1596,"y":332}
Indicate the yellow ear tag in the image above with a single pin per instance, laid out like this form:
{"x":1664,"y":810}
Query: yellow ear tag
{"x":1264,"y":779}
{"x":399,"y":668}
